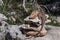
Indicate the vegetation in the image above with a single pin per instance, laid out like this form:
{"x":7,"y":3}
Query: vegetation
{"x":17,"y":10}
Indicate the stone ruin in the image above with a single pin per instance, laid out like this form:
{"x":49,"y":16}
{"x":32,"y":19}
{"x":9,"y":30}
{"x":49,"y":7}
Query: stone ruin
{"x":34,"y":26}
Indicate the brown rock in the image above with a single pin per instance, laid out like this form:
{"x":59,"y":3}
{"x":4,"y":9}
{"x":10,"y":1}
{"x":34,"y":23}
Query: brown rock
{"x":34,"y":14}
{"x":43,"y":32}
{"x":31,"y":33}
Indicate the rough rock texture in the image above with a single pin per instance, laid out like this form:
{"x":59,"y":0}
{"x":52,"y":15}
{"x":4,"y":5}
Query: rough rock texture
{"x":53,"y":34}
{"x":3,"y":17}
{"x":13,"y":32}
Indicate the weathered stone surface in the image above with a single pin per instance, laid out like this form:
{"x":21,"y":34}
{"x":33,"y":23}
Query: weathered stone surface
{"x":14,"y":30}
{"x":15,"y":33}
{"x":2,"y":17}
{"x":37,"y":20}
{"x":53,"y":34}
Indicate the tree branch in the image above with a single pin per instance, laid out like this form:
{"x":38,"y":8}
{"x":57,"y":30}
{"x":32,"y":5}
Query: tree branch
{"x":24,"y":5}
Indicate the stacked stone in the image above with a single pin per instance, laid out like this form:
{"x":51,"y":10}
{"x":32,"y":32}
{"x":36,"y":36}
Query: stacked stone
{"x":33,"y":25}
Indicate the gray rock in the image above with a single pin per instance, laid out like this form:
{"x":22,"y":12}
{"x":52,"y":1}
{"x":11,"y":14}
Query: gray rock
{"x":53,"y":34}
{"x":2,"y":17}
{"x":1,"y":36}
{"x":33,"y":20}
{"x":15,"y":33}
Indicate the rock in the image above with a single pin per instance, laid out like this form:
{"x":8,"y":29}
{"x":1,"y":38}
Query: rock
{"x":14,"y":32}
{"x":34,"y":14}
{"x":31,"y":33}
{"x":34,"y":20}
{"x":3,"y":29}
{"x":37,"y":20}
{"x":1,"y":36}
{"x":2,"y":17}
{"x":43,"y":32}
{"x":52,"y":34}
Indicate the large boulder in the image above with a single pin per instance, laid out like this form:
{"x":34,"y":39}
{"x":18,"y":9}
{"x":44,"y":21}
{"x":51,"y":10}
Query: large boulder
{"x":53,"y":34}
